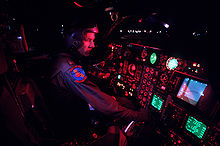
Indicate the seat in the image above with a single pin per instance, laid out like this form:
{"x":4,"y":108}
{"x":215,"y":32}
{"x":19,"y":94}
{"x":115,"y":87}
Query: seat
{"x":23,"y":114}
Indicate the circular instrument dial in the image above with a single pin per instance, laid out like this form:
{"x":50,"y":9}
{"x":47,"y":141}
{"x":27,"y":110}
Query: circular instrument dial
{"x":171,"y":63}
{"x":153,"y":58}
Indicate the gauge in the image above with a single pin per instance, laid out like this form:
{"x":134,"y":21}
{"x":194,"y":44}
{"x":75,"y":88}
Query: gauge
{"x":171,"y":63}
{"x":163,"y":78}
{"x":153,"y":58}
{"x":131,"y":69}
{"x":144,"y":55}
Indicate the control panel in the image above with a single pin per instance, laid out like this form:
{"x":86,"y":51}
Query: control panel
{"x":177,"y":91}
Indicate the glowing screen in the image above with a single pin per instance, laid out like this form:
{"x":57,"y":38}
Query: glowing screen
{"x":195,"y":127}
{"x":191,"y":91}
{"x":157,"y":102}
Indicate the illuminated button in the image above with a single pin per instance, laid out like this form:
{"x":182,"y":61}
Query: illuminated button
{"x":146,"y":75}
{"x":145,"y":93}
{"x":140,"y":97}
{"x":163,"y":88}
{"x":144,"y":99}
{"x":95,"y":135}
{"x":126,"y":93}
{"x":147,"y":88}
{"x":147,"y":69}
{"x":141,"y":102}
{"x":141,"y":91}
{"x":152,"y":71}
{"x":133,"y":86}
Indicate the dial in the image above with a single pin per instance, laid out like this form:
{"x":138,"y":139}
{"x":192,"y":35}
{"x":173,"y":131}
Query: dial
{"x":153,"y":58}
{"x":171,"y":63}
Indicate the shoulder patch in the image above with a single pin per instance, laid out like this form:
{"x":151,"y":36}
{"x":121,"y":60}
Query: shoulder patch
{"x":78,"y":74}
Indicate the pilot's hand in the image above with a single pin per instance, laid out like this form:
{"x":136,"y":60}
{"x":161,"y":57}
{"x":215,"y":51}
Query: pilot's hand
{"x":144,"y":116}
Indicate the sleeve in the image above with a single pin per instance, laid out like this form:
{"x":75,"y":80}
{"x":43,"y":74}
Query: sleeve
{"x":76,"y":80}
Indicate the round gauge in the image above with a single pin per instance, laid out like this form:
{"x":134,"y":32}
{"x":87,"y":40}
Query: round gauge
{"x":171,"y":63}
{"x":131,"y":69}
{"x":144,"y":54}
{"x":153,"y":58}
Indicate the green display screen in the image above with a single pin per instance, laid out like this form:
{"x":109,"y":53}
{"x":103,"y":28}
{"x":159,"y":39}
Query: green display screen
{"x":157,"y":102}
{"x":195,"y":127}
{"x":153,"y":58}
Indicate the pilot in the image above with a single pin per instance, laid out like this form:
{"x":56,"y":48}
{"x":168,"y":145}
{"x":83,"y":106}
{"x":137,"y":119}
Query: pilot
{"x":72,"y":89}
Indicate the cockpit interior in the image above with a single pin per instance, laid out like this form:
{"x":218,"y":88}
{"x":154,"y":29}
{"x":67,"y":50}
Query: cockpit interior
{"x":156,"y":54}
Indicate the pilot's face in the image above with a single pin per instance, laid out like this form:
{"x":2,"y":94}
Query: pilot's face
{"x":87,"y":44}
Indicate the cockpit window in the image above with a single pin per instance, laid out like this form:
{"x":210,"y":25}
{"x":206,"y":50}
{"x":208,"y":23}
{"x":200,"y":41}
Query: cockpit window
{"x":140,"y":29}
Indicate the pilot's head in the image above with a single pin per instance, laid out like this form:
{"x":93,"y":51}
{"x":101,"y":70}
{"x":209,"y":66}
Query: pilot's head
{"x":80,"y":36}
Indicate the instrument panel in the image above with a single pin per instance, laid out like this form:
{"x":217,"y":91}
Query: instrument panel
{"x":177,"y":91}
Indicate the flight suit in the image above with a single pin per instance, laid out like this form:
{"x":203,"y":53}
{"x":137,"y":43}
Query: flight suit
{"x":73,"y":91}
{"x":67,"y":73}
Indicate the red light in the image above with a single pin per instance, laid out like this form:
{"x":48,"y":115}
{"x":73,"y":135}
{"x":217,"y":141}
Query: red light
{"x":114,"y":97}
{"x":140,"y":97}
{"x":194,"y":64}
{"x":78,"y":4}
{"x":95,"y":135}
{"x":134,"y":86}
{"x":126,"y":93}
{"x":171,"y":135}
{"x":133,"y":67}
{"x":140,"y":20}
{"x":179,"y":141}
{"x":121,"y":64}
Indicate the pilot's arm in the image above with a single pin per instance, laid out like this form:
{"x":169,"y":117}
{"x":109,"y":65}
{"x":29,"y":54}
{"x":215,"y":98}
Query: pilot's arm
{"x":74,"y":78}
